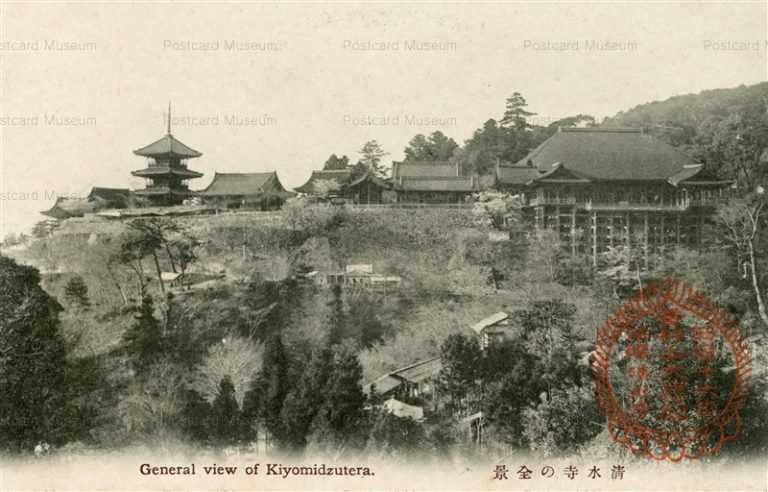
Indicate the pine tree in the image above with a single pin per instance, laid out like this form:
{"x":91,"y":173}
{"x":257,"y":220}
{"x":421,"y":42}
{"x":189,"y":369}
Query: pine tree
{"x":304,"y":401}
{"x":225,"y":420}
{"x":337,"y":322}
{"x":76,"y":292}
{"x":144,"y":342}
{"x":340,"y":417}
{"x":264,"y":399}
{"x":461,"y":373}
{"x":515,"y":114}
{"x":35,"y":405}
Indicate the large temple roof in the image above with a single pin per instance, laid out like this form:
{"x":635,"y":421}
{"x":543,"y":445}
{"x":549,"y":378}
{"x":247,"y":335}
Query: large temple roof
{"x":166,"y":146}
{"x":619,"y":154}
{"x":242,"y":184}
{"x":423,"y":169}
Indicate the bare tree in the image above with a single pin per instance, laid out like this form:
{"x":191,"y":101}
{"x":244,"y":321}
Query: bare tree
{"x":236,"y":357}
{"x":743,"y":221}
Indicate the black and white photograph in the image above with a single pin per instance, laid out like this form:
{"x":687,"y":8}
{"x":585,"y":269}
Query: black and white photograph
{"x":364,"y":246}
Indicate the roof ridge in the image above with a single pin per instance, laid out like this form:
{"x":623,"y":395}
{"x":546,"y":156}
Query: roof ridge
{"x":216,"y":173}
{"x":429,"y":163}
{"x":409,"y":366}
{"x":597,"y":129}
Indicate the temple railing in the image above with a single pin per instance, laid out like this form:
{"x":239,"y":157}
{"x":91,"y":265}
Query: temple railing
{"x":680,"y":204}
{"x":568,"y":200}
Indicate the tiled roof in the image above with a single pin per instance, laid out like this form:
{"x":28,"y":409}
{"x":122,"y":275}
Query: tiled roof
{"x":608,"y":154}
{"x":167,"y":145}
{"x":383,"y":384}
{"x":516,"y":175}
{"x":696,"y":175}
{"x":489,"y":321}
{"x":423,"y":169}
{"x":368,"y":177}
{"x":114,"y":196}
{"x":458,"y":184}
{"x":413,"y":373}
{"x":340,"y":176}
{"x":560,"y":174}
{"x":65,"y":208}
{"x":243,"y":184}
{"x":685,"y":173}
{"x":420,"y":370}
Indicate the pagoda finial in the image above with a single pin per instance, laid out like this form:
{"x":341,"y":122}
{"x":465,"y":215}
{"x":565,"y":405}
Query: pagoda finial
{"x":169,"y":117}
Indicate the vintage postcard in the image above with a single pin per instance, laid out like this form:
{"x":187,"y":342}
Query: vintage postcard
{"x":384,"y":246}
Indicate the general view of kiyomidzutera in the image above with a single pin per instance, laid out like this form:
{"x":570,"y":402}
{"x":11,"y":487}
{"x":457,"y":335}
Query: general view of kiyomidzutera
{"x":445,"y":303}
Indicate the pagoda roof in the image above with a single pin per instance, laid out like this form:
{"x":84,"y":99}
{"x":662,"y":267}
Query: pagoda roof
{"x":164,"y":190}
{"x":166,"y":146}
{"x":339,"y":176}
{"x":162,"y":170}
{"x":613,"y":154}
{"x":241,"y":184}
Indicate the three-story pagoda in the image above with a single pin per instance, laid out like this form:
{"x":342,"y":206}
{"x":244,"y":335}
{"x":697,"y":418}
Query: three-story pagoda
{"x":167,"y":172}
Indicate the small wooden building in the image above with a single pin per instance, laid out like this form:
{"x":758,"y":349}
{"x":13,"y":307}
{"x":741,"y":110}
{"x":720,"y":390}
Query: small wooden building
{"x":98,"y":199}
{"x":66,"y":208}
{"x":357,"y":276}
{"x":366,"y":190}
{"x":363,"y":189}
{"x":412,"y":383}
{"x":493,"y":329}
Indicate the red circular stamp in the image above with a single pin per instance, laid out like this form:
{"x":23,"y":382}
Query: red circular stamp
{"x":671,"y":370}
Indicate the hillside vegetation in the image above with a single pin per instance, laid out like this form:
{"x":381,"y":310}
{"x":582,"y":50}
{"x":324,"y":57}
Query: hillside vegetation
{"x":255,"y":347}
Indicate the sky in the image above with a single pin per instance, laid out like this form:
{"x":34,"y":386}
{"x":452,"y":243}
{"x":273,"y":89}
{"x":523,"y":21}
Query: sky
{"x":263,"y":86}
